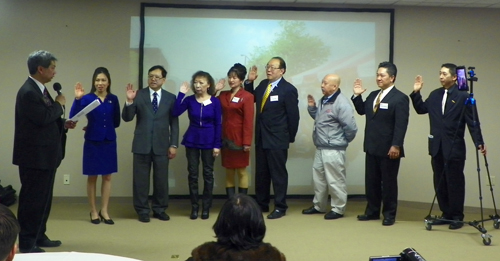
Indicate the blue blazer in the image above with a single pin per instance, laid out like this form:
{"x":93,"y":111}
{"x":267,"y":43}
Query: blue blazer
{"x":103,"y":120}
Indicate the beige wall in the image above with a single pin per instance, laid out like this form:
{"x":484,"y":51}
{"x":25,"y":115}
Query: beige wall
{"x":85,"y":34}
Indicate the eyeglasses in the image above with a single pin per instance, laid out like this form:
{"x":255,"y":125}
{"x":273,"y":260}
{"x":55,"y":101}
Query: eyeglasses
{"x":272,"y":68}
{"x":154,"y":77}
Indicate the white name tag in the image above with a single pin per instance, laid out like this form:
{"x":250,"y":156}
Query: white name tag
{"x":235,"y":99}
{"x":384,"y":105}
{"x":274,"y":98}
{"x":207,"y":102}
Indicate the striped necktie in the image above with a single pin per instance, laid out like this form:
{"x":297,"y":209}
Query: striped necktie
{"x":46,"y":97}
{"x":264,"y":98}
{"x":155,"y":102}
{"x":377,"y":103}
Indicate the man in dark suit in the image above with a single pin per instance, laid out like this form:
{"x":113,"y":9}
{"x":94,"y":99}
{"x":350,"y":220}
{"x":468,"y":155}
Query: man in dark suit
{"x":38,"y":150}
{"x":445,"y":106}
{"x":387,"y":112}
{"x":276,"y":124}
{"x":155,"y":142}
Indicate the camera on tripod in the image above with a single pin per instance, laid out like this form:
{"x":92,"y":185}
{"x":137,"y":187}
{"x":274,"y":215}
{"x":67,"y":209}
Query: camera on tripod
{"x":408,"y":254}
{"x":462,"y":77}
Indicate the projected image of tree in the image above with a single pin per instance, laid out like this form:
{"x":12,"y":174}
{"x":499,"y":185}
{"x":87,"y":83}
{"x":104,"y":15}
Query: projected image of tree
{"x":290,"y":44}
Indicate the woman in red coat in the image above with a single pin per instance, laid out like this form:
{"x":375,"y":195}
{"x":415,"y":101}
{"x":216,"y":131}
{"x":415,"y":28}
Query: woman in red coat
{"x":237,"y":129}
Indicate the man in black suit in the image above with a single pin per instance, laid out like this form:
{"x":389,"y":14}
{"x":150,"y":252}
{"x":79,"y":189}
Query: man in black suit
{"x":276,"y":124}
{"x":155,"y":142}
{"x":387,"y":112}
{"x":38,"y":150}
{"x":445,"y":106}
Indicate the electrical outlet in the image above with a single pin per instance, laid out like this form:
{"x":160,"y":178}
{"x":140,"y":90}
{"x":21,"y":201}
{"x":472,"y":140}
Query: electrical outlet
{"x":66,"y":179}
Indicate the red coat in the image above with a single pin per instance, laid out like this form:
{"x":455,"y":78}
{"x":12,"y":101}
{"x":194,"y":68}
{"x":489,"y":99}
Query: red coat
{"x":237,"y":127}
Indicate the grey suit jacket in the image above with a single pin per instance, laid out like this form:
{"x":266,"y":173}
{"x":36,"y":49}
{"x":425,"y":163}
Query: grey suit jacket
{"x":154,"y":132}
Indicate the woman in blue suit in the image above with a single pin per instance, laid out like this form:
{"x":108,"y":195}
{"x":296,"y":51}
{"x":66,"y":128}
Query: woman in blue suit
{"x":99,"y":149}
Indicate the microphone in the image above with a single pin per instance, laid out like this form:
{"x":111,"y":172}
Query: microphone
{"x":57,"y":87}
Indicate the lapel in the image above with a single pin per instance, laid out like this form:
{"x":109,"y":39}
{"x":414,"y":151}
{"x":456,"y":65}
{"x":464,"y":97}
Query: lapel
{"x":451,"y":100}
{"x":35,"y":88}
{"x":146,"y":99}
{"x":387,"y":98}
{"x":163,"y":101}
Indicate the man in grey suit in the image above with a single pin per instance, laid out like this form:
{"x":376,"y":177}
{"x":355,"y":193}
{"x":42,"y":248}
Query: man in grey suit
{"x":156,"y":139}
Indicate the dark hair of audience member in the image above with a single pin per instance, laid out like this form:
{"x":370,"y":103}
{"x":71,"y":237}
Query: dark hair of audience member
{"x":240,"y":223}
{"x":9,"y":228}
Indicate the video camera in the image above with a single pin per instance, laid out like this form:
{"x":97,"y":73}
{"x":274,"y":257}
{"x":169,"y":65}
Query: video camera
{"x":408,"y":254}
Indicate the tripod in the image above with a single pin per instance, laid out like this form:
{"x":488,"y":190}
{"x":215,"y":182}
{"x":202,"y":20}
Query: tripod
{"x":478,"y":224}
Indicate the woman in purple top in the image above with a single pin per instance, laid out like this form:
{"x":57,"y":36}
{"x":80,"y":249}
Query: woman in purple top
{"x":203,"y":136}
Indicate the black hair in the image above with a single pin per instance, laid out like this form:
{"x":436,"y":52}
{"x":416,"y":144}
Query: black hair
{"x":392,"y":70}
{"x":156,"y":67}
{"x":98,"y":71}
{"x":239,"y":70}
{"x":211,"y":89}
{"x":39,"y":58}
{"x":452,"y":67}
{"x":9,"y":228}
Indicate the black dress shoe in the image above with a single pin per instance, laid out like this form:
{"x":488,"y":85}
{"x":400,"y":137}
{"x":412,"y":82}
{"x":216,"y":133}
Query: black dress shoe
{"x":311,"y":210}
{"x":205,"y":213}
{"x":388,"y":222}
{"x":144,"y":218}
{"x":457,"y":224}
{"x":94,"y":221}
{"x":367,"y":217}
{"x":48,"y":243}
{"x":161,"y":216}
{"x":333,"y":215}
{"x":34,"y":249}
{"x":106,"y":221}
{"x":276,"y":214}
{"x":194,"y":213}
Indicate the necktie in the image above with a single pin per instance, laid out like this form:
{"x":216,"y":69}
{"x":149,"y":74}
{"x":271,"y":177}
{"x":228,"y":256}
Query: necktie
{"x":443,"y":102}
{"x":46,"y":97}
{"x":377,"y":102}
{"x":264,"y":98}
{"x":155,"y":102}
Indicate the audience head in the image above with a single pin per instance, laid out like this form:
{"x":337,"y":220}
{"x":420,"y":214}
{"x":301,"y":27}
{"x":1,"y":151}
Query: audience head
{"x":101,"y":77}
{"x":9,"y":228}
{"x":386,"y":74}
{"x":202,"y":82}
{"x":42,"y":66}
{"x":240,"y":223}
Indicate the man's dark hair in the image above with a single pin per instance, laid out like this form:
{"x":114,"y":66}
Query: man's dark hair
{"x":98,"y":71}
{"x":282,"y":62}
{"x":210,"y":80}
{"x":391,"y":68}
{"x":452,"y":67}
{"x":9,"y":228}
{"x":239,"y":70}
{"x":240,"y":223}
{"x":163,"y":71}
{"x":39,"y":58}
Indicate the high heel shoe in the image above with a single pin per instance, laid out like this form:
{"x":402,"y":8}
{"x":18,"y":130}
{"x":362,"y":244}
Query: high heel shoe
{"x":94,"y":221}
{"x":106,"y":221}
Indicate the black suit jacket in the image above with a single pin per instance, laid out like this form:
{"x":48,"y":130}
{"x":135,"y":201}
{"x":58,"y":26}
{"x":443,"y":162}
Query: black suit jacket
{"x":387,"y":127}
{"x":39,"y":129}
{"x":277,"y":125}
{"x":443,"y":127}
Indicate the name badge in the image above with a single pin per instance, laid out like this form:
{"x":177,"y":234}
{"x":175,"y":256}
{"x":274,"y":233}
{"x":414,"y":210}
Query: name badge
{"x":207,"y":102}
{"x":273,"y":98}
{"x":384,"y":105}
{"x":235,"y":99}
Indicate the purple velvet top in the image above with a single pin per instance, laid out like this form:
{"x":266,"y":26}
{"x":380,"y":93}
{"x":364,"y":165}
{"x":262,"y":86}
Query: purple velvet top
{"x":205,"y":121}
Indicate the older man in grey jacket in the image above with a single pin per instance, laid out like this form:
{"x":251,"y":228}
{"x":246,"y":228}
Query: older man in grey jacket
{"x":334,"y":128}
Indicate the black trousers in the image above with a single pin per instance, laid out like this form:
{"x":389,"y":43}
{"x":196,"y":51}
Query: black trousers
{"x":381,"y":185}
{"x":207,"y":158}
{"x":141,"y":182}
{"x":449,"y":184}
{"x":271,"y":167}
{"x":35,"y":202}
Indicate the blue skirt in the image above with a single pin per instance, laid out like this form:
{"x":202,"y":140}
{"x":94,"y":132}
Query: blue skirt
{"x":100,"y":157}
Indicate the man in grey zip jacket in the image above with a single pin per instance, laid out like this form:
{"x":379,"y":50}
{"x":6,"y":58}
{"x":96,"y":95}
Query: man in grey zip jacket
{"x":334,"y":128}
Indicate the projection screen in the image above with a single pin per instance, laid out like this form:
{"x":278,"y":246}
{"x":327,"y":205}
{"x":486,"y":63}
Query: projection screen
{"x":313,"y":42}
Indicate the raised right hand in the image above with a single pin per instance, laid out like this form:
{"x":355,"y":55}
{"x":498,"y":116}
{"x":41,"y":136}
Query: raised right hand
{"x":79,"y":91}
{"x":358,"y":87}
{"x":419,"y":83}
{"x":310,"y":101}
{"x":184,"y":87}
{"x":131,"y":93}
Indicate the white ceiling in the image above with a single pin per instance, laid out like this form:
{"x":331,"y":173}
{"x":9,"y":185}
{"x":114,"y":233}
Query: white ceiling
{"x":438,"y":3}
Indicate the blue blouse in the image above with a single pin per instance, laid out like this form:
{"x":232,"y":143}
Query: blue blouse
{"x":103,"y":120}
{"x":205,"y":121}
